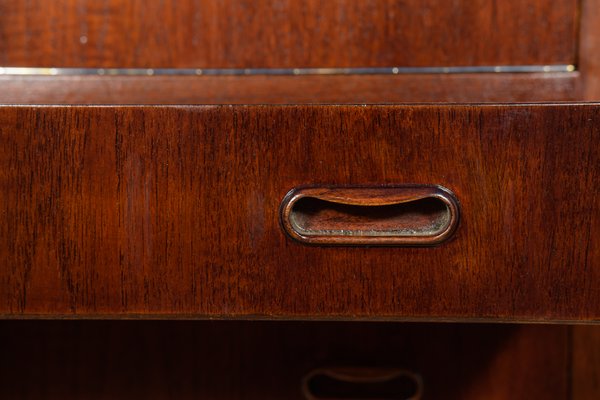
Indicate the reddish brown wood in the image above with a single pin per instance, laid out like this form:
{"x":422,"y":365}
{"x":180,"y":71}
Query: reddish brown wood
{"x":267,"y":360}
{"x":351,"y":89}
{"x":410,"y":215}
{"x":286,"y":33}
{"x":75,"y":241}
{"x":173,"y":211}
{"x":589,"y":48}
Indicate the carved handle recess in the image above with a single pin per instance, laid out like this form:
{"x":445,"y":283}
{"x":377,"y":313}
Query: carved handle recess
{"x":422,"y":215}
{"x":362,"y":383}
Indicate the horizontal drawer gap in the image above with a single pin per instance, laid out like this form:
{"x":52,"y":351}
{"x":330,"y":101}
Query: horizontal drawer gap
{"x":288,"y":71}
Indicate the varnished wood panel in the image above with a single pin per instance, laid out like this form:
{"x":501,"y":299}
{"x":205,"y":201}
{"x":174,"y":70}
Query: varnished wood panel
{"x":173,"y":211}
{"x":350,"y":89}
{"x":267,"y":360}
{"x":286,"y":33}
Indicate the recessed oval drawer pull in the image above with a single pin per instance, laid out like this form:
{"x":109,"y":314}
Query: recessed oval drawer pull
{"x":362,"y":383}
{"x":411,"y":215}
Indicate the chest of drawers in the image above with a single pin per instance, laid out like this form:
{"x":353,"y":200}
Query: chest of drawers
{"x":147,"y":148}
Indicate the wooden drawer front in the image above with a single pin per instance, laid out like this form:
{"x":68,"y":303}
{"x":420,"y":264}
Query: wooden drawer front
{"x":268,"y":360}
{"x":286,"y":33}
{"x":175,"y":211}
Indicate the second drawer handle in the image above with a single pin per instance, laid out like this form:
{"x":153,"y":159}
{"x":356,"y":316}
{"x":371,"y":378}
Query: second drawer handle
{"x":396,"y":215}
{"x":362,"y":383}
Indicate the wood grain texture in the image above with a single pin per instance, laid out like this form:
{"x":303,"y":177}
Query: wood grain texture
{"x":350,"y":89}
{"x":589,"y":48}
{"x":173,"y":211}
{"x":267,"y":360}
{"x":286,"y":33}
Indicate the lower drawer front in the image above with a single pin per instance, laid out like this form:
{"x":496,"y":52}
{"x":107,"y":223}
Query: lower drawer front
{"x":175,"y":211}
{"x":231,"y":360}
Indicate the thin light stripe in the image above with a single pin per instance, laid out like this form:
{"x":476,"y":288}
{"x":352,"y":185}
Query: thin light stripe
{"x":285,"y":71}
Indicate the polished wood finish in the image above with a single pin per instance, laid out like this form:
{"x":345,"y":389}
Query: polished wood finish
{"x":128,"y":213}
{"x":286,"y":33}
{"x":589,"y":48}
{"x":504,"y":87}
{"x":268,"y":360}
{"x":410,"y":215}
{"x":173,"y":211}
{"x":349,"y":89}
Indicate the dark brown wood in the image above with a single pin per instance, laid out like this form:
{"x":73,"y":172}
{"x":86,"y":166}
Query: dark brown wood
{"x":267,"y":360}
{"x":173,"y":211}
{"x":286,"y":33}
{"x":351,"y":89}
{"x":586,"y":362}
{"x":362,"y":382}
{"x":410,"y":215}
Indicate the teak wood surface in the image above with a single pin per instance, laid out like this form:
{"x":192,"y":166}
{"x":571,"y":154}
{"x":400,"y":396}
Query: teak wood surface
{"x":173,"y":211}
{"x":141,"y":213}
{"x":316,"y":89}
{"x":494,"y":33}
{"x":365,"y":34}
{"x":286,"y":33}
